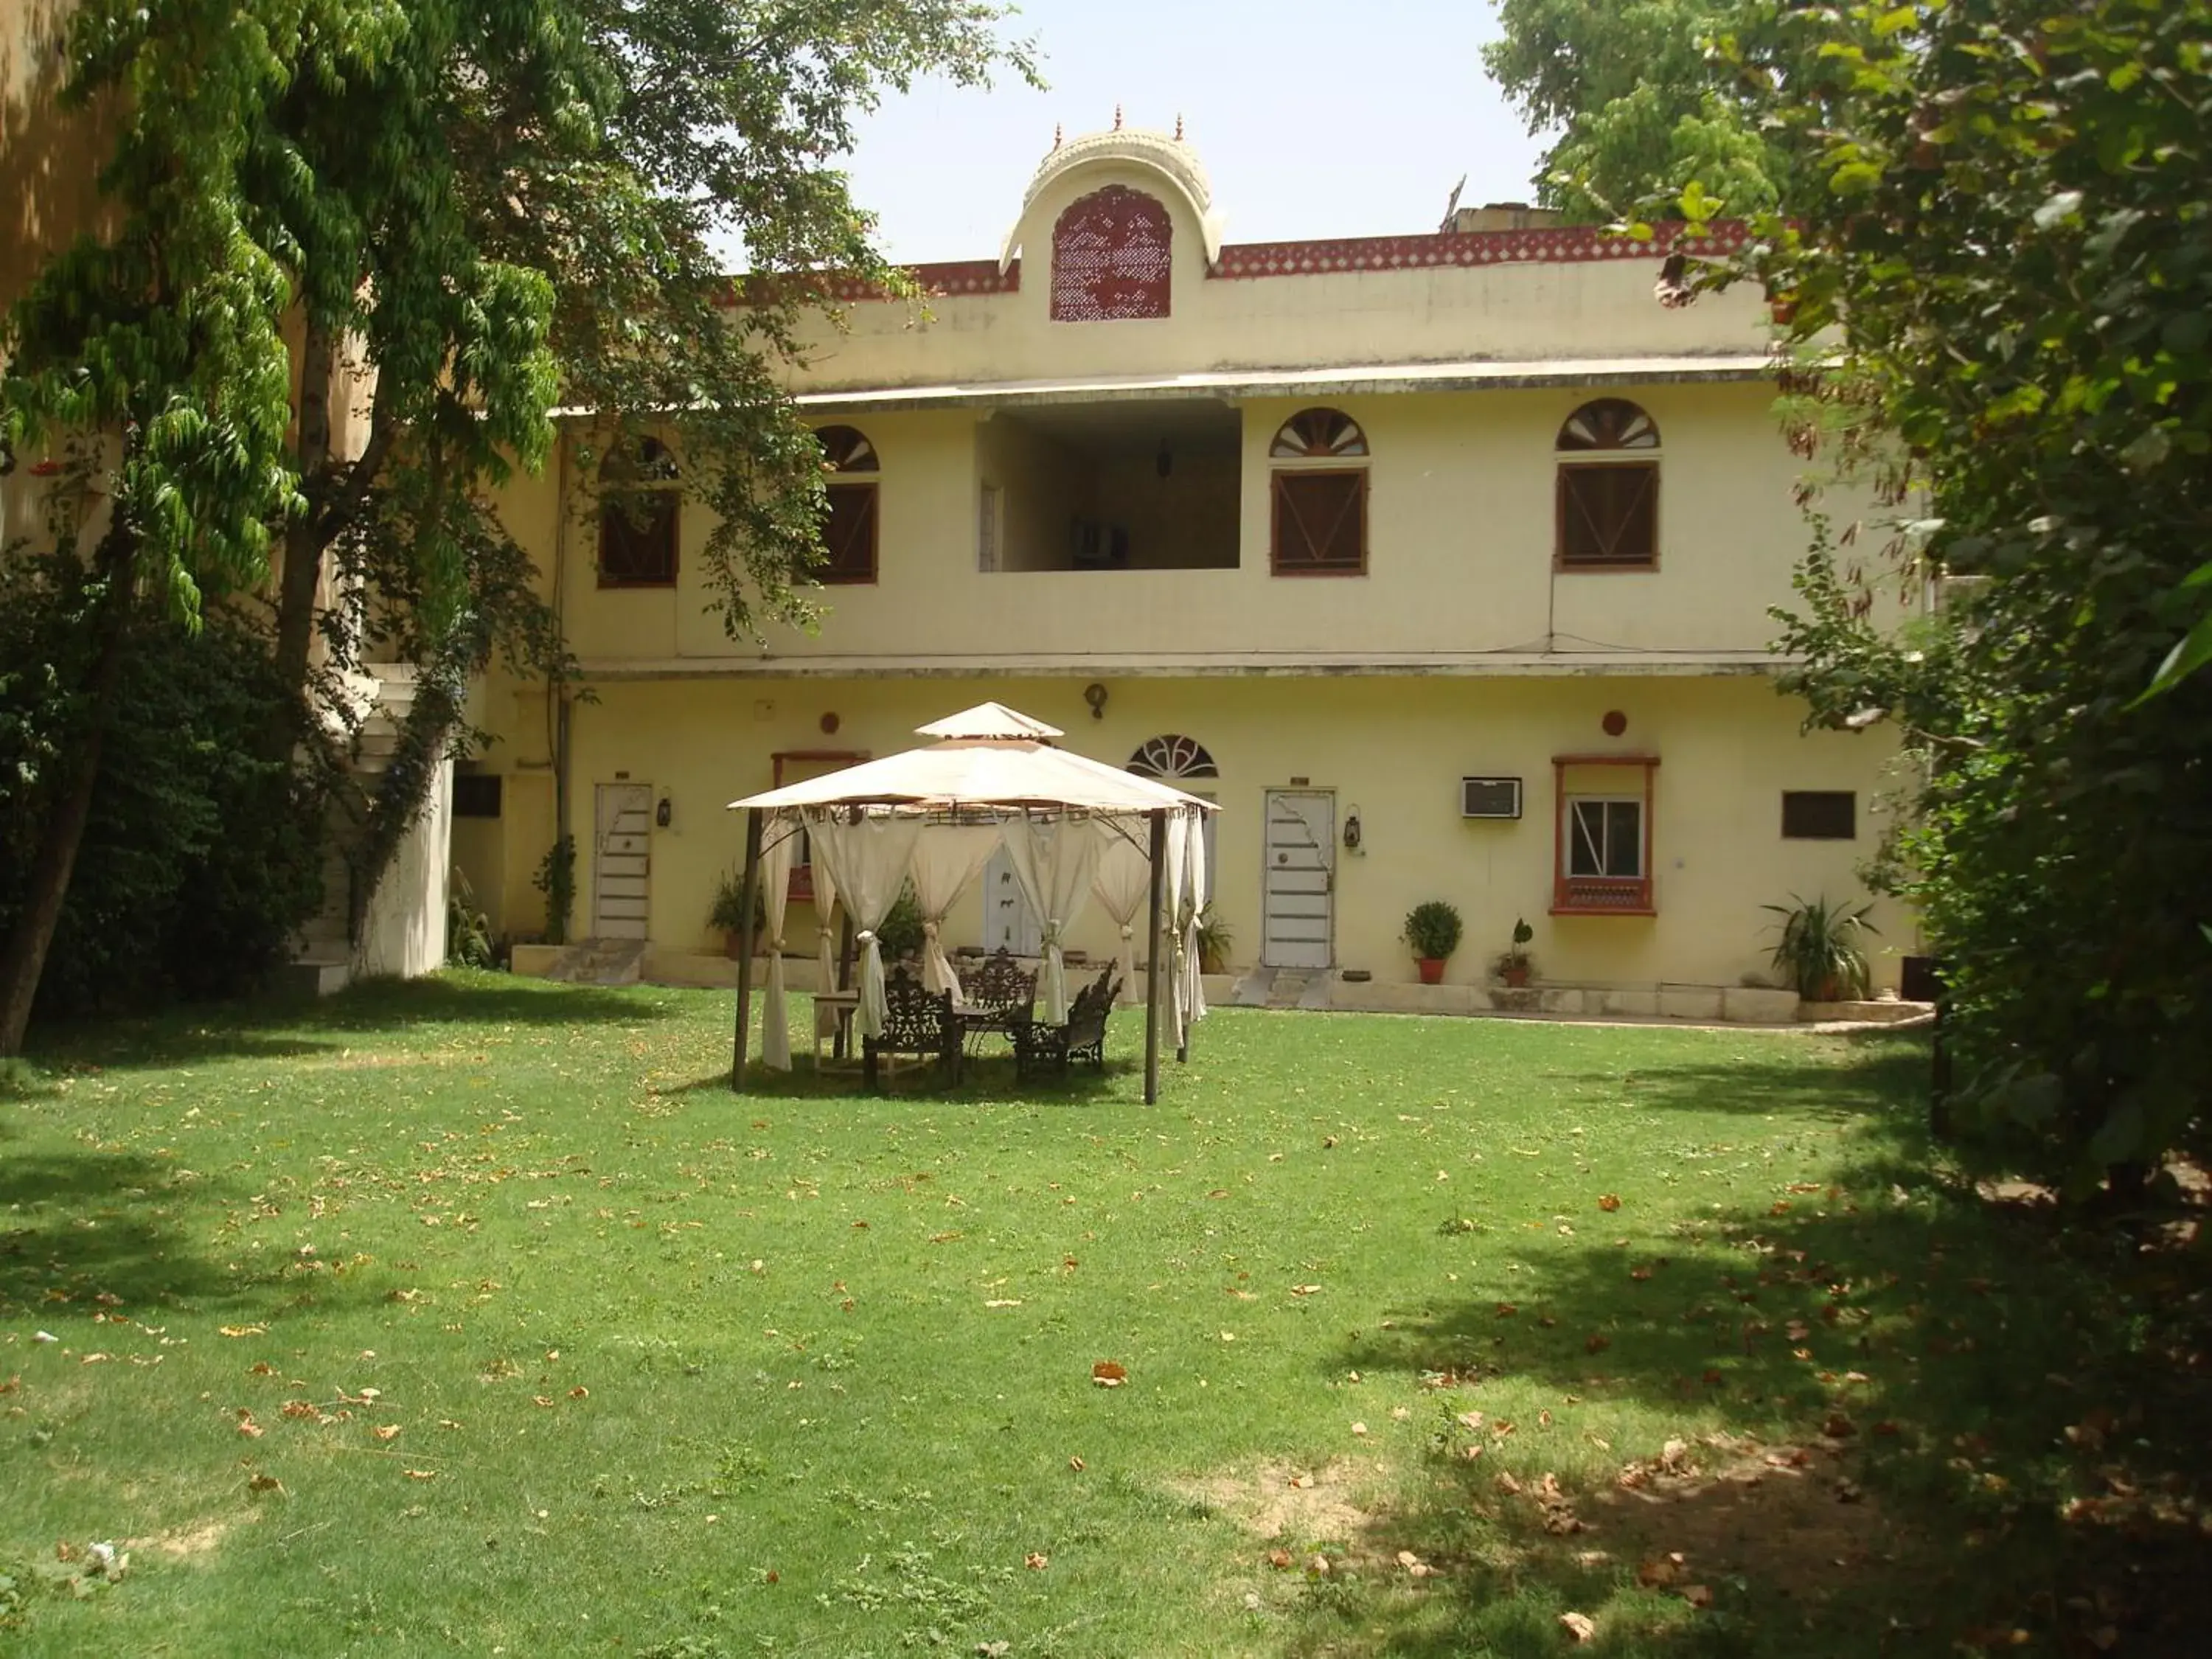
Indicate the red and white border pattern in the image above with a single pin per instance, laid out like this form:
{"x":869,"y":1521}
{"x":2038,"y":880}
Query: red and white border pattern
{"x":1575,"y":244}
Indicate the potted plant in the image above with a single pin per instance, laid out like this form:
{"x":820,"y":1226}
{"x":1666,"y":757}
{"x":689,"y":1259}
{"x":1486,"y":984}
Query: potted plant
{"x":1818,"y":954}
{"x":1515,"y":965}
{"x":1215,"y":941}
{"x":1432,"y":928}
{"x":727,"y":914}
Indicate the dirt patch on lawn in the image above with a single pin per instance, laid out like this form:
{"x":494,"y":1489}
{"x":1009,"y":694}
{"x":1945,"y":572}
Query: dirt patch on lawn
{"x":1791,"y":1517}
{"x":185,"y":1543}
{"x":1290,"y":1504}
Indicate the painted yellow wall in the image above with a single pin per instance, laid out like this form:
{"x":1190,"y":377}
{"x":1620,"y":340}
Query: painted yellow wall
{"x":1393,"y":748}
{"x":1461,"y":528}
{"x":1513,"y":312}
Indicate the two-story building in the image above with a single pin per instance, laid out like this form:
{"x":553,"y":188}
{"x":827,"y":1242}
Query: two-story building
{"x":1442,"y":562}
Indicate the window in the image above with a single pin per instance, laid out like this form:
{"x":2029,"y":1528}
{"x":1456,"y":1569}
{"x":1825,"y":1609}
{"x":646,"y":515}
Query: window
{"x":475,"y":795}
{"x":1112,"y":257}
{"x":849,"y":529}
{"x":1819,"y":814}
{"x":1179,"y":761}
{"x":1320,"y":523}
{"x":639,"y":517}
{"x":1602,"y":864}
{"x":1608,"y":509}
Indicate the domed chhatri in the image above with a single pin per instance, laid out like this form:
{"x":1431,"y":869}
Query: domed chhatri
{"x":1166,"y":156}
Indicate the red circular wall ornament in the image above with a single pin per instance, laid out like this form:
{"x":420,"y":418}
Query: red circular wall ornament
{"x":829,"y":724}
{"x":1614,"y":722}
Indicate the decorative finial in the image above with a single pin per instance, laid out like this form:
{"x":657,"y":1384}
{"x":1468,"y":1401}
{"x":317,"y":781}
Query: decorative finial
{"x":1055,"y":135}
{"x":1117,"y":117}
{"x":1178,"y":126}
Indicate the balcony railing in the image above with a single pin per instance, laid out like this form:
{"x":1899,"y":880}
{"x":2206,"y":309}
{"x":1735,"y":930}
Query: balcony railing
{"x":1602,"y":896}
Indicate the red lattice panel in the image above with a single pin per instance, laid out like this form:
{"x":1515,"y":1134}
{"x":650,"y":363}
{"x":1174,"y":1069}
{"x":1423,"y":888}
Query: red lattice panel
{"x":1111,"y":257}
{"x":1581,"y":244}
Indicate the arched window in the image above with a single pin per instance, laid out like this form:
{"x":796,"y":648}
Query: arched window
{"x":1609,"y":489}
{"x":1171,"y":758}
{"x":1320,"y":526}
{"x":1111,"y":257}
{"x":640,"y":514}
{"x":849,"y":529}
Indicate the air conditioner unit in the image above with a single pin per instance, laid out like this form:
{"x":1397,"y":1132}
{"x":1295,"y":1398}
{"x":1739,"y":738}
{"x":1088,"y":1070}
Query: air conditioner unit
{"x":1490,"y":798}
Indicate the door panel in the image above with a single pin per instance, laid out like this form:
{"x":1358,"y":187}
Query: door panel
{"x":1299,"y":881}
{"x":621,"y":861}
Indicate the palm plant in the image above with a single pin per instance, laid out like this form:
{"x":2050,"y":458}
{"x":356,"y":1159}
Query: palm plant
{"x":1818,"y":952}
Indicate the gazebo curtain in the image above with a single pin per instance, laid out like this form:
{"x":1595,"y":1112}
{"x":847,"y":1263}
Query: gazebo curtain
{"x":1122,"y":884}
{"x":1194,"y":881}
{"x":1169,"y":942}
{"x":946,"y":860}
{"x":775,"y":898}
{"x":1054,"y":862}
{"x":868,"y":859}
{"x":825,"y":902}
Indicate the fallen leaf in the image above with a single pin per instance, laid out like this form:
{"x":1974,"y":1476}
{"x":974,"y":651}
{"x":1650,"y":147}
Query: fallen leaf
{"x":242,"y":1330}
{"x":1579,"y":1625}
{"x":386,"y":1431}
{"x":1598,"y":1342}
{"x":1004,"y":1302}
{"x":260,"y":1484}
{"x":261,"y":1368}
{"x":1109,"y":1373}
{"x":1304,"y":1290}
{"x":422,"y":1474}
{"x":1698,"y":1595}
{"x":1075,"y":1463}
{"x":1507,"y":1309}
{"x":1508,"y":1484}
{"x":1036,"y":1560}
{"x":1609,"y":1202}
{"x":1838,"y":1425}
{"x":1656,"y":1574}
{"x":1469,"y":1420}
{"x":1407,"y":1558}
{"x":540,"y":1400}
{"x":1301,"y":1481}
{"x":300,"y":1408}
{"x":579,"y":1392}
{"x":1278,"y":1559}
{"x":1359,"y":1428}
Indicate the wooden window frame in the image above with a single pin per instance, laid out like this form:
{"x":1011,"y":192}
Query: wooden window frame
{"x":1276,"y":476}
{"x":831,"y":575}
{"x":1644,"y":462}
{"x":1601,"y":896}
{"x":1802,"y":834}
{"x":666,"y":492}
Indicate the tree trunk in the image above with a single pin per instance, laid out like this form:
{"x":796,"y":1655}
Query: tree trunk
{"x":304,"y":535}
{"x":23,"y":957}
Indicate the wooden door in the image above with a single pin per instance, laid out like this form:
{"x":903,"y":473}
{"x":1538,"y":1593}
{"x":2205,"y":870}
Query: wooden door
{"x":621,"y":861}
{"x":1300,"y":879}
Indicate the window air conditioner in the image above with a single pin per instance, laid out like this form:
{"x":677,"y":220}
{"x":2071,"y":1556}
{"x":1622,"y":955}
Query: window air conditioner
{"x":1490,"y":798}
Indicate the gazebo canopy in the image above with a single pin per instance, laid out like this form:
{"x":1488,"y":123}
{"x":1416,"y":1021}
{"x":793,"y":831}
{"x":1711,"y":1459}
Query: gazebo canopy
{"x":985,"y":756}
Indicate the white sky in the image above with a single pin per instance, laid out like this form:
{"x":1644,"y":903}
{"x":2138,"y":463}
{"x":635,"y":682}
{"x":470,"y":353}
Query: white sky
{"x":1352,"y":118}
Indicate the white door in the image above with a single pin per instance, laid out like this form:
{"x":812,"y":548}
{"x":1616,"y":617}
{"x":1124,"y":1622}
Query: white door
{"x":1008,"y":922}
{"x":621,"y":860}
{"x":1300,"y":879}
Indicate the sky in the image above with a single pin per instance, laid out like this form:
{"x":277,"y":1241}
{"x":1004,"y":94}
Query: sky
{"x":1352,"y":118}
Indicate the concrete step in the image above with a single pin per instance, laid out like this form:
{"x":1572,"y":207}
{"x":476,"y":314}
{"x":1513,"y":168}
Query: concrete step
{"x":601,"y":961}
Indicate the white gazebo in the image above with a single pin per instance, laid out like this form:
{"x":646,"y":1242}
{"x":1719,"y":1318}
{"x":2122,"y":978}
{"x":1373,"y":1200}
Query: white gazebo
{"x":935,"y":816}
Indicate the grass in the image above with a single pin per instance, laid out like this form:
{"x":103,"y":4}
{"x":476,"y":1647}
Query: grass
{"x":478,"y":1315}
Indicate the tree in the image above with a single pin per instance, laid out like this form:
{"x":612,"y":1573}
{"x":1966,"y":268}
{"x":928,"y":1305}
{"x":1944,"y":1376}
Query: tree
{"x":485,"y":206}
{"x":1644,"y":102}
{"x":164,"y":338}
{"x":1999,"y":254}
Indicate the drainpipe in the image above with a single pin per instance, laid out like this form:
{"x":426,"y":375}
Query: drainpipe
{"x":556,"y":700}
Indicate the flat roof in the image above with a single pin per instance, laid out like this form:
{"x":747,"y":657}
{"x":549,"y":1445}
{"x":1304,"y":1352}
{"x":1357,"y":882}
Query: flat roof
{"x":1465,"y":665}
{"x":1474,"y":374}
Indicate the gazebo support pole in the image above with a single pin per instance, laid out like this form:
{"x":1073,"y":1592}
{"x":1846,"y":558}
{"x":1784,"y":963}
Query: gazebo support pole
{"x":1153,"y":960}
{"x":751,"y":885}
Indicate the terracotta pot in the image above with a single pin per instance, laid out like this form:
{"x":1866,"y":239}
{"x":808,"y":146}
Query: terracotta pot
{"x":1432,"y":969}
{"x":732,"y":941}
{"x":1516,"y":977}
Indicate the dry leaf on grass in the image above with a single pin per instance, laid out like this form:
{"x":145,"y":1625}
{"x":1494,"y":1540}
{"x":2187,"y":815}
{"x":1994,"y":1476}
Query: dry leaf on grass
{"x":1075,"y":1463}
{"x":1698,"y":1595}
{"x":1036,"y":1560}
{"x":1109,"y":1373}
{"x":1278,"y":1559}
{"x":262,"y":1484}
{"x":386,"y":1431}
{"x":422,"y":1474}
{"x":1609,"y":1201}
{"x":1579,"y":1625}
{"x":242,"y":1330}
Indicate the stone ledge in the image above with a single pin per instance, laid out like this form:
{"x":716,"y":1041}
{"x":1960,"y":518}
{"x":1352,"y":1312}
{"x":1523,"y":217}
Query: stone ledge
{"x":1870,"y":1012}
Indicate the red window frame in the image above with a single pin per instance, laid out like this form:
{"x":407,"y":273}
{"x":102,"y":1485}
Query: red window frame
{"x":1599,"y":895}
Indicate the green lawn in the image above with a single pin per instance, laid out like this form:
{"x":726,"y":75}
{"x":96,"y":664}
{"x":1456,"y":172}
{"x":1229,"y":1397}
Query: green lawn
{"x":478,"y":1315}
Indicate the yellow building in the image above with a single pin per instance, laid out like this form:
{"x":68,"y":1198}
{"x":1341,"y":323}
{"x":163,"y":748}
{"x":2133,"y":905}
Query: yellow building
{"x":1442,"y":562}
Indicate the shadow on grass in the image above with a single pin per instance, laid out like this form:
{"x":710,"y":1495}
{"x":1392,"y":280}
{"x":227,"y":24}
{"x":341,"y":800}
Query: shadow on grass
{"x":84,"y":1232}
{"x":1882,"y":1074}
{"x":276,"y":1027}
{"x":984,"y":1078}
{"x":2016,"y":1410}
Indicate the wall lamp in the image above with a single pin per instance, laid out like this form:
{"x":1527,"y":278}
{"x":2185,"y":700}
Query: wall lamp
{"x":1351,"y":830}
{"x":1095,"y":695}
